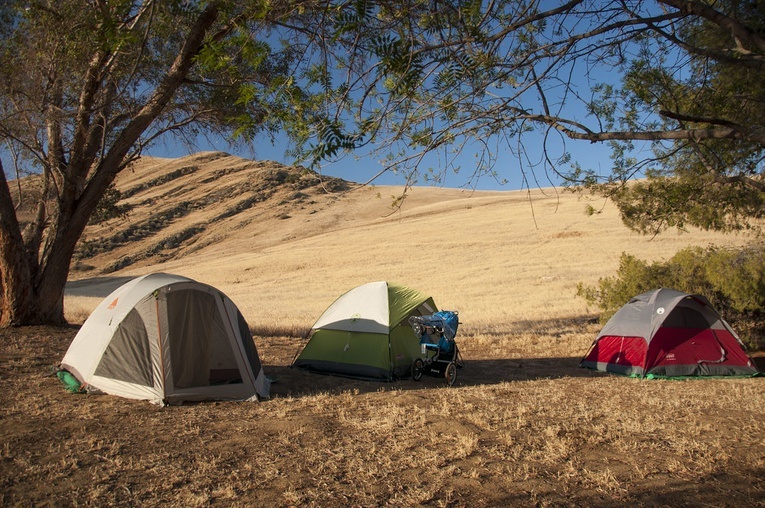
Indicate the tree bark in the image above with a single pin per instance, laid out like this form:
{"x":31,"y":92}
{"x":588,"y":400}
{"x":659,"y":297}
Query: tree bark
{"x":17,"y":305}
{"x":33,"y":293}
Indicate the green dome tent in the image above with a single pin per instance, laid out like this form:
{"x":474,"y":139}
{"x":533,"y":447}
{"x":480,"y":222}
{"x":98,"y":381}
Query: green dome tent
{"x":366,"y":333}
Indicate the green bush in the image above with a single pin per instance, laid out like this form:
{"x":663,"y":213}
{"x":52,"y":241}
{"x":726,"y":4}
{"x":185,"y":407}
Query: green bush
{"x":732,"y":279}
{"x":109,"y":208}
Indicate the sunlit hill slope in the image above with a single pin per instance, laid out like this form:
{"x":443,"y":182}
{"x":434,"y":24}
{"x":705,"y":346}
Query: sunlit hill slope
{"x":284,"y":242}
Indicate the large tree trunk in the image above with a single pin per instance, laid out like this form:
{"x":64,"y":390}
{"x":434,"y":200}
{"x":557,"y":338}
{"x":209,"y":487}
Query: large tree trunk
{"x":17,"y":305}
{"x":29,"y":298}
{"x":50,"y":283}
{"x":32,"y":291}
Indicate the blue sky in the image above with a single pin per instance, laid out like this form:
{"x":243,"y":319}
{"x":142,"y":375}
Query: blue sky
{"x":362,"y":167}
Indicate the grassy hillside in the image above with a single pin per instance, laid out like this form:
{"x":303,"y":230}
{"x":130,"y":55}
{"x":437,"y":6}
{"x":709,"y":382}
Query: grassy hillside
{"x":284,"y":243}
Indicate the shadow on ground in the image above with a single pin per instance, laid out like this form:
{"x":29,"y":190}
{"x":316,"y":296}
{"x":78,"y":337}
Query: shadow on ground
{"x":96,"y":287}
{"x":289,"y":382}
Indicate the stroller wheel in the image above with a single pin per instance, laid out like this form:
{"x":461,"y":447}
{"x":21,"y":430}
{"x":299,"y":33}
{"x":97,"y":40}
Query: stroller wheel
{"x":451,"y":373}
{"x":417,"y":369}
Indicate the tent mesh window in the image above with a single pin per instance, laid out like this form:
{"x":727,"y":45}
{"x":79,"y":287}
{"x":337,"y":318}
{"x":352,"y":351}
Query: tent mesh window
{"x":128,"y":357}
{"x":248,"y":343}
{"x":686,"y":317}
{"x":200,"y":348}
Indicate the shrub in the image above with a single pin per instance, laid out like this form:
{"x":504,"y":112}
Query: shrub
{"x":732,"y":279}
{"x":109,"y":208}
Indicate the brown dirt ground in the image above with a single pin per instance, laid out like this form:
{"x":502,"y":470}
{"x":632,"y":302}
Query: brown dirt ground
{"x":512,"y":432}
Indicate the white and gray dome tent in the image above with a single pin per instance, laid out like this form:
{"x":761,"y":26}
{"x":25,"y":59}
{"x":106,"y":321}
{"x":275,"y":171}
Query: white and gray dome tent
{"x":167,"y":339}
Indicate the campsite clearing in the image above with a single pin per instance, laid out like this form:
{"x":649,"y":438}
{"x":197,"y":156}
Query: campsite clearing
{"x":523,"y":426}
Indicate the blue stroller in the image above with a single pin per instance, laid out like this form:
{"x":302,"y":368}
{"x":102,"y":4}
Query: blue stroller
{"x":439,"y":353}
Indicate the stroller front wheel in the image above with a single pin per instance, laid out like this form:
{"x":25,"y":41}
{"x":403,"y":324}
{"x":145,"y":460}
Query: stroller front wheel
{"x":417,"y":369}
{"x":451,"y":373}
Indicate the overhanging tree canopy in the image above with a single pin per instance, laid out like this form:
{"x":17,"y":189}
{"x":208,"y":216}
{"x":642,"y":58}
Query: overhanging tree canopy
{"x":87,"y":85}
{"x":687,"y":77}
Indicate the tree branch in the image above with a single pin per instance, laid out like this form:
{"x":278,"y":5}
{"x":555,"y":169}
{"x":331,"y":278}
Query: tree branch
{"x":722,"y":132}
{"x":746,"y":40}
{"x":162,"y":94}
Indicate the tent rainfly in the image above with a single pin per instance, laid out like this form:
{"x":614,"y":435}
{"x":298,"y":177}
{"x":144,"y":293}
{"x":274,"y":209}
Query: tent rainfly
{"x":668,"y":333}
{"x":167,"y":339}
{"x":366,"y":333}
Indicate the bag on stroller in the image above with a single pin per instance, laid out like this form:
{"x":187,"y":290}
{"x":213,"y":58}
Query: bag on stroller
{"x":439,"y":353}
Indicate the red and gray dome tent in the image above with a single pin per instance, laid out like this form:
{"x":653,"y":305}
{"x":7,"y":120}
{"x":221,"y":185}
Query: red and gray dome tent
{"x":668,"y":333}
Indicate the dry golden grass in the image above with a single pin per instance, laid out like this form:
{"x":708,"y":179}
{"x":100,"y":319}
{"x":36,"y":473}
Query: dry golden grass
{"x":523,"y":426}
{"x":498,"y":257}
{"x":520,"y":428}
